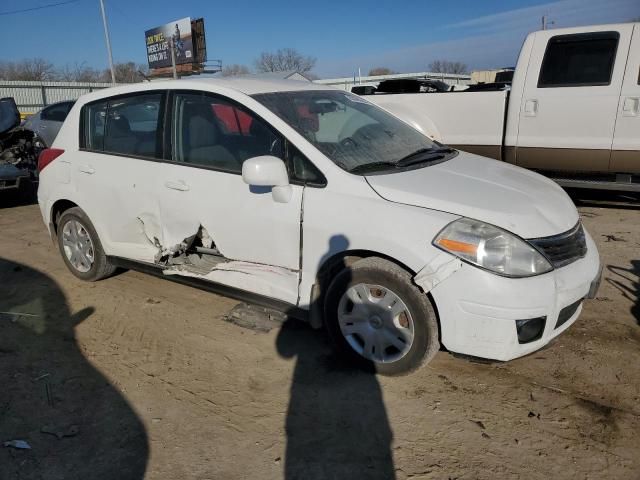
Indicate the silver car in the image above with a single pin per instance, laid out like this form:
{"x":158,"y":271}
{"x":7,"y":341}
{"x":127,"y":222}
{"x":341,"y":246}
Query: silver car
{"x":47,"y":122}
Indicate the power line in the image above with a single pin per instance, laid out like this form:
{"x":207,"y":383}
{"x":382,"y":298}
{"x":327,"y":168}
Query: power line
{"x":13,"y":12}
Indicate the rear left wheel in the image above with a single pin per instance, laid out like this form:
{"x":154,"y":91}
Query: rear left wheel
{"x":81,"y":248}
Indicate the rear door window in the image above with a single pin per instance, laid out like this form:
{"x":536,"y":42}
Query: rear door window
{"x":126,"y":125}
{"x":579,"y":60}
{"x":133,"y":126}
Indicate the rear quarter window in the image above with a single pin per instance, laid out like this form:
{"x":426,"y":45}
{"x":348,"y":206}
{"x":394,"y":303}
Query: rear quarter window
{"x":93,"y":120}
{"x":579,"y":60}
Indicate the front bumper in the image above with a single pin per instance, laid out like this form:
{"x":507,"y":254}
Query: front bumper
{"x":11,"y":183}
{"x":11,"y":177}
{"x":478,"y":310}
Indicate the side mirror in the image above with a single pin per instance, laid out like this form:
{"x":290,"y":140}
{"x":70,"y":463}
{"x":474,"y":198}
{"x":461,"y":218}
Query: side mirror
{"x":268,"y":171}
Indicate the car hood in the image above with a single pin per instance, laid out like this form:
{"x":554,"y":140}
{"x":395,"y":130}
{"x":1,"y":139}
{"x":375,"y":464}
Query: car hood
{"x":498,"y":193}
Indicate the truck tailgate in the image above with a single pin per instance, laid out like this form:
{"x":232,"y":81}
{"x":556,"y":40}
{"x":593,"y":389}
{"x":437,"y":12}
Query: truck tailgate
{"x":453,"y":118}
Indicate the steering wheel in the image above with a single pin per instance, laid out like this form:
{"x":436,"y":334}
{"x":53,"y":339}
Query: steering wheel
{"x":348,"y":142}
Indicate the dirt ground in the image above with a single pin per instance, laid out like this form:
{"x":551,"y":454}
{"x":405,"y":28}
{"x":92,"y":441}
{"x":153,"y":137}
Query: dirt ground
{"x":138,"y":377}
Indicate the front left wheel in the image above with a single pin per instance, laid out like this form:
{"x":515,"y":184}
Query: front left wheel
{"x":81,"y":248}
{"x":377,"y":317}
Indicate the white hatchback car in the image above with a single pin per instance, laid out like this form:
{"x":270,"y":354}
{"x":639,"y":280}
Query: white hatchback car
{"x":319,"y":202}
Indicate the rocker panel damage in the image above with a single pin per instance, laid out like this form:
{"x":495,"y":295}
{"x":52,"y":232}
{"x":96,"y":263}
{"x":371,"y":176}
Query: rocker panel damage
{"x":196,"y":255}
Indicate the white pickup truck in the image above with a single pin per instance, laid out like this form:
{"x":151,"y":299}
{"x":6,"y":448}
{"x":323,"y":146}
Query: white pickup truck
{"x":573,"y":110}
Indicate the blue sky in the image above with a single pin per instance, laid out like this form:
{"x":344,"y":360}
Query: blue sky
{"x":342,"y":35}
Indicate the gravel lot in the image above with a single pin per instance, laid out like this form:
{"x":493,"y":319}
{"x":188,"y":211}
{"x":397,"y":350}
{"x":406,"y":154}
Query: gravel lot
{"x":138,"y":377}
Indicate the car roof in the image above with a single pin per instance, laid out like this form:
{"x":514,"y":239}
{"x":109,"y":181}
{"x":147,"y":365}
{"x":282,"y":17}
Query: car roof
{"x":250,"y":86}
{"x":244,"y":84}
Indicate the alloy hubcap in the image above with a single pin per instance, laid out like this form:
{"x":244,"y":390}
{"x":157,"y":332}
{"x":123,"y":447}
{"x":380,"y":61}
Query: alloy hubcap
{"x":77,"y":246}
{"x":375,"y":322}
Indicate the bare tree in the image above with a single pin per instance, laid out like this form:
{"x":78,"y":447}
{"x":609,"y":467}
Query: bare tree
{"x":381,"y":71}
{"x":284,"y":59}
{"x":126,"y":72}
{"x":7,"y":71}
{"x":79,"y":72}
{"x":38,"y":69}
{"x":235,"y":70}
{"x":29,"y":69}
{"x":445,"y":66}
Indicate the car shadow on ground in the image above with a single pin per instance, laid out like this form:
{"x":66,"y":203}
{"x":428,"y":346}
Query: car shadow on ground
{"x":336,"y":425}
{"x":627,"y":282}
{"x":604,"y":199}
{"x":77,"y":424}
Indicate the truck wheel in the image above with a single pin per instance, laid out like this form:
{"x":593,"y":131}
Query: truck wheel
{"x":378,"y":318}
{"x":81,"y":248}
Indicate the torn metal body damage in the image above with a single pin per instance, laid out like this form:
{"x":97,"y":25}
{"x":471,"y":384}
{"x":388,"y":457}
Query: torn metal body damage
{"x":197,"y":256}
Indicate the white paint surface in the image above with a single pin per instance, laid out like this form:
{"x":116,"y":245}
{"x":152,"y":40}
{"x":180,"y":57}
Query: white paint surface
{"x":571,"y":117}
{"x":627,"y":134}
{"x":582,"y":117}
{"x":453,"y":118}
{"x":395,"y":215}
{"x":495,"y":192}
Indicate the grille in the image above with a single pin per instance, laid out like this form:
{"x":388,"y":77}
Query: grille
{"x":564,"y":248}
{"x":567,"y":312}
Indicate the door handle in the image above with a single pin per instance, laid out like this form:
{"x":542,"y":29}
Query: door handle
{"x":87,"y":169}
{"x":630,"y":107}
{"x":531,"y":108}
{"x":179,"y":185}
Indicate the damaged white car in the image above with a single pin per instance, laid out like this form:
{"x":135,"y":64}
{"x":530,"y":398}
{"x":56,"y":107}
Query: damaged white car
{"x":323,"y":204}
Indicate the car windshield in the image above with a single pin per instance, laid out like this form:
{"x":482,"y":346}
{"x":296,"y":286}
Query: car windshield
{"x":355,"y":134}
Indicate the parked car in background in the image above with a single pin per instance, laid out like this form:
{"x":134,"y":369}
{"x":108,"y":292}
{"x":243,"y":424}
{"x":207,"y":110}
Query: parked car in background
{"x":404,"y":85}
{"x":47,"y":122}
{"x":318,"y":201}
{"x":572,"y":112}
{"x":17,"y":155}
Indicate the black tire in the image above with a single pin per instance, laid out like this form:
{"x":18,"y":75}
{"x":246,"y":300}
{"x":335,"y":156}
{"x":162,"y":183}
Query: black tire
{"x":101,"y":267}
{"x":377,"y":271}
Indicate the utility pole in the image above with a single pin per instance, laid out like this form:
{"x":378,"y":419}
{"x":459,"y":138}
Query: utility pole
{"x":108,"y":40}
{"x":545,"y":22}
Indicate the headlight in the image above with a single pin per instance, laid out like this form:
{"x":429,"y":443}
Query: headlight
{"x":492,"y":248}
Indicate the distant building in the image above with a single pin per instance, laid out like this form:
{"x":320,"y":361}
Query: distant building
{"x":487,"y":76}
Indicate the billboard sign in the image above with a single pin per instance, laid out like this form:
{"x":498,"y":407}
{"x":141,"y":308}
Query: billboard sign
{"x":158,"y":50}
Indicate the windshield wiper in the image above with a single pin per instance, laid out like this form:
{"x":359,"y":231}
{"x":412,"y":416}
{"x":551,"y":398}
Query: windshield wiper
{"x":419,"y":156}
{"x":365,"y":167}
{"x":424,"y":155}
